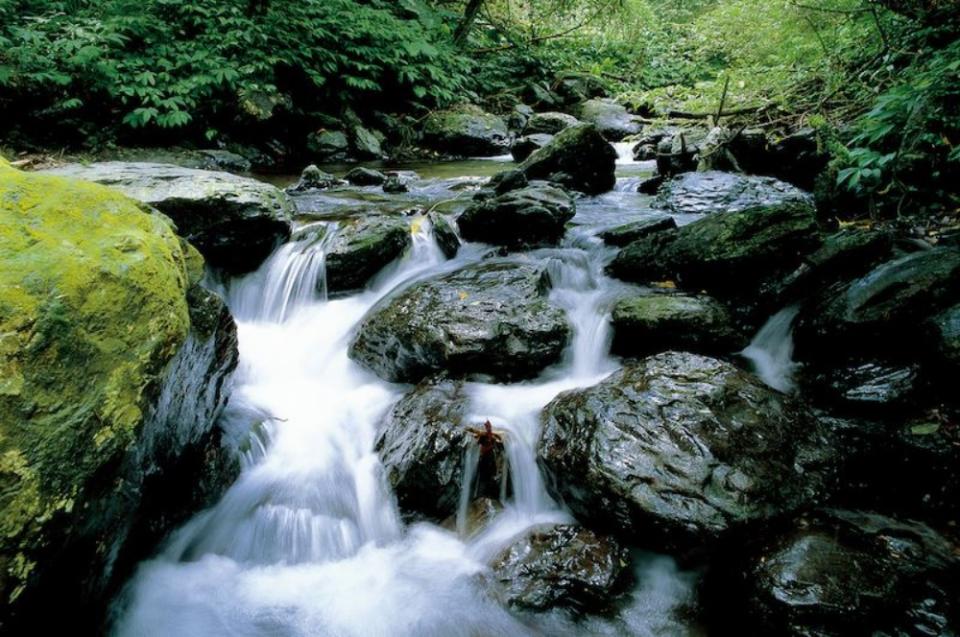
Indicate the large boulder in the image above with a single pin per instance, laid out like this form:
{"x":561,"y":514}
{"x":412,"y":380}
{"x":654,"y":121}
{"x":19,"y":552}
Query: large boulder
{"x":235,"y":222}
{"x":680,"y":450}
{"x":654,"y":323}
{"x":529,"y":144}
{"x":562,"y":566}
{"x":328,"y":145}
{"x":361,"y":176}
{"x":714,"y":191}
{"x":877,"y":314}
{"x":727,"y":254}
{"x":466,"y":131}
{"x":578,"y":158}
{"x":486,"y":320}
{"x":611,"y":119}
{"x":112,"y":372}
{"x":629,"y":232}
{"x":849,"y":572}
{"x":421,"y":445}
{"x":531,"y":216}
{"x":549,"y":123}
{"x":361,"y":247}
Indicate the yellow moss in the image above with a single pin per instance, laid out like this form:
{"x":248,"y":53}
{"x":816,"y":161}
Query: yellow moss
{"x":92,"y":308}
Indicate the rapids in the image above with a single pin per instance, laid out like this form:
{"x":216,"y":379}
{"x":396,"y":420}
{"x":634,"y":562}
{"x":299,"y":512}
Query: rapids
{"x":309,"y":540}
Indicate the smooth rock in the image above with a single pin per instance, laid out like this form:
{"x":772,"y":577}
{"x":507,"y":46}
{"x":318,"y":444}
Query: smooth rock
{"x":365,"y":177}
{"x":549,"y":123}
{"x":630,"y":232}
{"x":580,"y":153}
{"x":611,"y":119}
{"x":361,"y":247}
{"x":528,"y":144}
{"x":532,"y":216}
{"x":312,"y":178}
{"x":654,"y":323}
{"x":466,"y":131}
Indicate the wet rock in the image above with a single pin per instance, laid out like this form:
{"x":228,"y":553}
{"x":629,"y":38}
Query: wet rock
{"x":486,"y":320}
{"x":506,"y":181}
{"x":644,"y":152}
{"x":519,"y":116}
{"x":549,"y":123}
{"x":445,"y":232}
{"x":573,"y":88}
{"x":480,"y":513}
{"x":714,"y":191}
{"x":651,"y":185}
{"x":531,"y":216}
{"x":944,"y":330}
{"x":630,"y":232}
{"x":215,"y":159}
{"x":367,"y":144}
{"x":654,"y":323}
{"x":679,"y":152}
{"x":611,"y":119}
{"x":235,"y":222}
{"x":798,"y":159}
{"x":114,"y":368}
{"x":872,"y":387}
{"x":680,"y":450}
{"x":361,"y":247}
{"x":394,"y":185}
{"x":312,"y":178}
{"x":528,"y":144}
{"x":737,"y":151}
{"x":848,"y":572}
{"x":365,"y":177}
{"x":466,"y":131}
{"x":877,"y":313}
{"x":734,"y":254}
{"x":561,"y":566}
{"x":421,"y":445}
{"x":328,"y":145}
{"x":580,"y":152}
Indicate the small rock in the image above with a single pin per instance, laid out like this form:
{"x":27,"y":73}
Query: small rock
{"x":579,"y":152}
{"x":327,"y":145}
{"x":535,"y":215}
{"x":466,"y":131}
{"x":393,"y":184}
{"x":365,"y":177}
{"x":611,"y":119}
{"x":312,"y":178}
{"x":549,"y":123}
{"x":528,"y":144}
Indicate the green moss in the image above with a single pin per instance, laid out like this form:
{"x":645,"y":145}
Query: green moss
{"x":92,"y":307}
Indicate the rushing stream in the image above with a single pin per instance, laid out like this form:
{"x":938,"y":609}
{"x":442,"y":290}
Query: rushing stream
{"x":309,"y":540}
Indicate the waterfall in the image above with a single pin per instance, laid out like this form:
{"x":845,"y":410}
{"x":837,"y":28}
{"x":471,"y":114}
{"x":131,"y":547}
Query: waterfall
{"x":771,"y":350}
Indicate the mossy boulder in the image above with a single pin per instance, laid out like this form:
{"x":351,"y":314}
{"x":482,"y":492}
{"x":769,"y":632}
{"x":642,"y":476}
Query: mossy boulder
{"x":466,"y":131}
{"x":531,"y":216}
{"x":234,"y":221}
{"x":549,"y":123}
{"x":579,"y":158}
{"x":112,"y":368}
{"x":611,"y":118}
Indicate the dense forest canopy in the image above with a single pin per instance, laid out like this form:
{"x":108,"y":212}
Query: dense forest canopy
{"x":880,"y":79}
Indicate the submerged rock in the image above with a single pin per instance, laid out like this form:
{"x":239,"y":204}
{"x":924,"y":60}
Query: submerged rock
{"x":581,"y":155}
{"x":466,"y":131}
{"x":630,"y":232}
{"x":360,"y":176}
{"x":114,"y":365}
{"x":486,"y":320}
{"x":714,"y":191}
{"x":679,"y":450}
{"x":531,"y":216}
{"x":445,"y":233}
{"x":654,"y":323}
{"x":561,"y":566}
{"x":394,"y":185}
{"x":235,"y":222}
{"x":726,"y":254}
{"x":528,"y":144}
{"x":549,"y":123}
{"x":848,"y":572}
{"x":422,"y":443}
{"x":611,"y":119}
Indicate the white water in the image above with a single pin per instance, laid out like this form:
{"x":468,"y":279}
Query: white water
{"x":771,"y":351}
{"x":309,"y":542}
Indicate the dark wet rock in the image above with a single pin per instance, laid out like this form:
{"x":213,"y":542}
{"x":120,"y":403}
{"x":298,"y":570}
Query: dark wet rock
{"x":679,"y":152}
{"x":630,"y":232}
{"x":362,"y":247}
{"x":367,"y":144}
{"x":328,"y":145}
{"x":561,"y":566}
{"x":204,"y":159}
{"x":528,"y":144}
{"x":365,"y":177}
{"x":798,"y":159}
{"x":878,"y":313}
{"x":714,"y":191}
{"x":611,"y":119}
{"x":115,"y":367}
{"x":651,"y":185}
{"x":738,"y":151}
{"x":848,"y":572}
{"x":312,"y":178}
{"x":491,"y":319}
{"x":480,"y":512}
{"x":216,"y":159}
{"x":235,"y":222}
{"x":872,"y":387}
{"x":445,"y":232}
{"x":421,"y":445}
{"x":394,"y":185}
{"x":504,"y":182}
{"x":644,"y":152}
{"x":549,"y":123}
{"x":679,"y":450}
{"x":727,"y":254}
{"x":588,"y":160}
{"x":466,"y":131}
{"x":654,"y":323}
{"x":944,"y":330}
{"x":573,"y":88}
{"x":519,"y":116}
{"x":531,"y":216}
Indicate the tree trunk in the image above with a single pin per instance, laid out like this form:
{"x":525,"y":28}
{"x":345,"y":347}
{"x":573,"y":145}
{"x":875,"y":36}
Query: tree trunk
{"x":466,"y":22}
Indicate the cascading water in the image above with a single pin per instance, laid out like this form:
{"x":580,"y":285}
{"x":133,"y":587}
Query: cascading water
{"x":771,"y":350}
{"x":309,"y":540}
